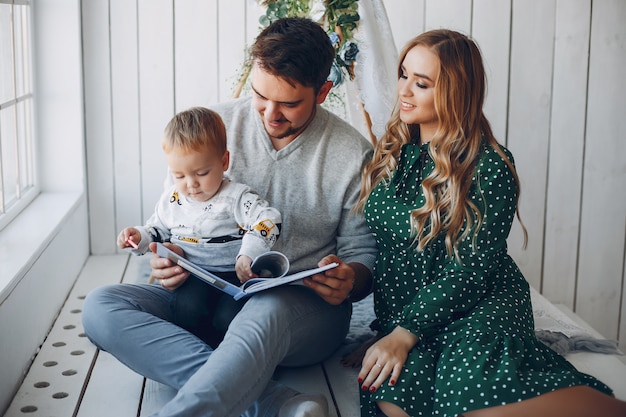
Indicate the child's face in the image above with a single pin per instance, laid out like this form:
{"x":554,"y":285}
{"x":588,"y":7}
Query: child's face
{"x":197,"y":174}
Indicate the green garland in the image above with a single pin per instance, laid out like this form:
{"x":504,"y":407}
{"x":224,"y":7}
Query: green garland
{"x":339,"y":18}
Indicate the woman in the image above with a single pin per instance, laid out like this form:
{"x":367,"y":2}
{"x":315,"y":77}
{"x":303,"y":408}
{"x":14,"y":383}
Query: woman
{"x":456,"y":324}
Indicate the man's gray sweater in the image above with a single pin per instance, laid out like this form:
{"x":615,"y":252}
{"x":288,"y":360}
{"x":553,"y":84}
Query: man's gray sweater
{"x":314,"y":182}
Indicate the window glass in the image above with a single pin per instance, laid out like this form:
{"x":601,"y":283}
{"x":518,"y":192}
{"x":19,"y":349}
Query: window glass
{"x":17,"y":153}
{"x":6,"y":54}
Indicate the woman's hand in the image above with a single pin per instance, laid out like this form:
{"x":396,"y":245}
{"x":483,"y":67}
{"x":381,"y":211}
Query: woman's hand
{"x":333,"y":285}
{"x":164,"y":271}
{"x":385,"y":359}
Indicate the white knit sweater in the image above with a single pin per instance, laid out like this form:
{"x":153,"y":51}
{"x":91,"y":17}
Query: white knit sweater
{"x":235,"y":221}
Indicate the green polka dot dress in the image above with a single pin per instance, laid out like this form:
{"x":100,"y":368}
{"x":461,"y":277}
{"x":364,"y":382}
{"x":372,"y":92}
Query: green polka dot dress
{"x":474,"y":320}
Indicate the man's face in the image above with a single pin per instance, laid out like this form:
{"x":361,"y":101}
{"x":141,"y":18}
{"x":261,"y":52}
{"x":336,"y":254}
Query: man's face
{"x":286,"y":110}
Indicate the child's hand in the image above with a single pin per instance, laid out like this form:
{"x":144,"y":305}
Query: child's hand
{"x":128,"y":238}
{"x":242,"y":267}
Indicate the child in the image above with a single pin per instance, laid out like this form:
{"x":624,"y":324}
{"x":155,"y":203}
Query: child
{"x":221,"y":225}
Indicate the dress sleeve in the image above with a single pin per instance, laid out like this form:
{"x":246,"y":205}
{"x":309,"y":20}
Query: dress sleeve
{"x":457,"y":284}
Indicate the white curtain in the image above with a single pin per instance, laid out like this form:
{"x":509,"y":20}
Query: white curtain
{"x":376,"y":65}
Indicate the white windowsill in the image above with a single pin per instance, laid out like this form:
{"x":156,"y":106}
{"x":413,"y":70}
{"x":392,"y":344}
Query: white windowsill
{"x":27,"y":236}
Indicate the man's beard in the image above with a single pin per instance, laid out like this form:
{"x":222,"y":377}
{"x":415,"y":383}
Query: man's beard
{"x":289,"y":132}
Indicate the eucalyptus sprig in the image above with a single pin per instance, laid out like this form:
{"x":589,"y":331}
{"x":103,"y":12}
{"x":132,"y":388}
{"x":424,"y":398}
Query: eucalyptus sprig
{"x":278,"y":9}
{"x":339,"y":18}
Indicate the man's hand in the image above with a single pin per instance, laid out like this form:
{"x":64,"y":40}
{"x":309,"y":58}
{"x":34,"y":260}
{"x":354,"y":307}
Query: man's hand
{"x":335,"y":285}
{"x":166,"y":273}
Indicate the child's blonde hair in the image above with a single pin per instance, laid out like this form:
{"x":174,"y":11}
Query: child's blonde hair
{"x":193,"y":129}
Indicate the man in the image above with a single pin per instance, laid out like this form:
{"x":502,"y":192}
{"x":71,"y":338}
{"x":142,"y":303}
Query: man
{"x":306,"y":162}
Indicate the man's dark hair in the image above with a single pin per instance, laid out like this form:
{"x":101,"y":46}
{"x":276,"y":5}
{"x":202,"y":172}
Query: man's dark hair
{"x":296,"y":49}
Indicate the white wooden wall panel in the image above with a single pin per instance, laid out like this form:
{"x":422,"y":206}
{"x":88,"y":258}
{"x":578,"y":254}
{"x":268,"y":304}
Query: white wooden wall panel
{"x":529,"y":123}
{"x":156,"y":92}
{"x":125,"y":118}
{"x":603,"y":218}
{"x":567,"y":141}
{"x":489,"y":17}
{"x":406,"y":18}
{"x":555,"y":98}
{"x":231,"y":44}
{"x":621,"y":335}
{"x":59,"y":94}
{"x":253,"y":11}
{"x":99,"y":158}
{"x":196,"y":68}
{"x":449,"y":14}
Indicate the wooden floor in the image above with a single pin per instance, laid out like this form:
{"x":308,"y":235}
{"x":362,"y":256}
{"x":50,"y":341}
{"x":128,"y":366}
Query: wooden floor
{"x":71,"y":378}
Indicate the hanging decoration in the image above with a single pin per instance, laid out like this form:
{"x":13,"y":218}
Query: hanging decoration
{"x":339,"y":18}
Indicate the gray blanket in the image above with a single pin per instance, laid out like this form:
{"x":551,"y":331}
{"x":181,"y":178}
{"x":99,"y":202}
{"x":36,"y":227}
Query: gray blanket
{"x":363,"y":315}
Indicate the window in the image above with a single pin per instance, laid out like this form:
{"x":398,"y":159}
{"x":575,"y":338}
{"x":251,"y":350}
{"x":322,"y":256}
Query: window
{"x":18,"y":185}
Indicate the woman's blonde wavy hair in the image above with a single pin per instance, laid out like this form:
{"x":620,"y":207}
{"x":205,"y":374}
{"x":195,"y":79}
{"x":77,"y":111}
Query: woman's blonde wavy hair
{"x":455,"y":147}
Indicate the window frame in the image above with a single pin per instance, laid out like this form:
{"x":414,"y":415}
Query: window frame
{"x":17,"y":132}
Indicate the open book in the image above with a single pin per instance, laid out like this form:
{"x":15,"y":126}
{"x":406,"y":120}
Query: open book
{"x":272,"y":267}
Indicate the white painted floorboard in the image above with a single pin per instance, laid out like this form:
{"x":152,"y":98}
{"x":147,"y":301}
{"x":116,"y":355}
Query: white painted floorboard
{"x":54,"y":383}
{"x":112,"y":390}
{"x":71,"y":378}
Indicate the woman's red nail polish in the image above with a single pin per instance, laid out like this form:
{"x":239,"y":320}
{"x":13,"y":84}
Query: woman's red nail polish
{"x":364,"y":388}
{"x":392,"y":382}
{"x":373,"y":389}
{"x":359,"y":380}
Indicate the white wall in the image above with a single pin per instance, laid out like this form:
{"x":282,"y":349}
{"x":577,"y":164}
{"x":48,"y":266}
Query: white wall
{"x":556,"y":99}
{"x":43,"y":249}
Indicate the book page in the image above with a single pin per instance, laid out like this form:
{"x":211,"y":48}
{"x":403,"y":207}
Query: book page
{"x":261,"y":284}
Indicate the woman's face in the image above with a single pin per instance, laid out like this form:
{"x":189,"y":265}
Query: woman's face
{"x":416,"y":90}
